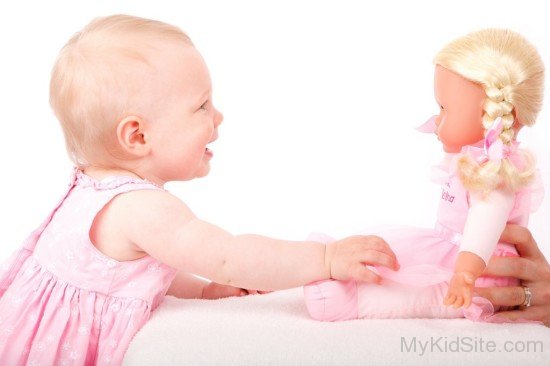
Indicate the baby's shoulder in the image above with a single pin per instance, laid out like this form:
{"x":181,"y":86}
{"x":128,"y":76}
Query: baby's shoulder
{"x":146,"y":203}
{"x":140,"y":210}
{"x":112,"y":228}
{"x":143,"y":199}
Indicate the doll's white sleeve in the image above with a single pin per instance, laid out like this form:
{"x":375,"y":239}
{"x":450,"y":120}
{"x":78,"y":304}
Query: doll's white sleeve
{"x":486,"y":220}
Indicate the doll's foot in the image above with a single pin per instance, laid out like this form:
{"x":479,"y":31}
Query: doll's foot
{"x":331,"y":300}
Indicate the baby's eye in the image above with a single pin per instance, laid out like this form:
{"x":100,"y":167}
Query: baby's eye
{"x":441,"y":107}
{"x":203,"y":106}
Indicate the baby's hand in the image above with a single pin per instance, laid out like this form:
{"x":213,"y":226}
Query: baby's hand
{"x":460,"y":290}
{"x":216,"y":291}
{"x":347,"y":258}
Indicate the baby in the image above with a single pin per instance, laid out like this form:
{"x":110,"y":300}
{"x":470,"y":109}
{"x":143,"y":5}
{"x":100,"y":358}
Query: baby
{"x":134,"y":100}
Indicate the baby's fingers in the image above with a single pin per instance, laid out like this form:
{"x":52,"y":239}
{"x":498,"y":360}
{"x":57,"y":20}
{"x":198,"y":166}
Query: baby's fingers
{"x":379,"y":244}
{"x":361,"y":273}
{"x":373,"y":257}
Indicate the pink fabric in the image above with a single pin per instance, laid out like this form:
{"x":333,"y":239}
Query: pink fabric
{"x":332,"y":301}
{"x":62,"y":301}
{"x":426,"y":258}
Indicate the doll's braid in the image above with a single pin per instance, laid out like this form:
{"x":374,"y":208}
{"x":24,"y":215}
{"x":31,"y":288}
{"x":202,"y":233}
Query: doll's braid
{"x":498,"y":105}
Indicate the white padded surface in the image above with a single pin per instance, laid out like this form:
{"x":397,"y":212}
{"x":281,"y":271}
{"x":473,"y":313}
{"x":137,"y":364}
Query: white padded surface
{"x":275,"y":329}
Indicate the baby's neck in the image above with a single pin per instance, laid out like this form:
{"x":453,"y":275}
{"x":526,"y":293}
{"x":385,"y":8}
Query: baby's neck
{"x":100,"y":173}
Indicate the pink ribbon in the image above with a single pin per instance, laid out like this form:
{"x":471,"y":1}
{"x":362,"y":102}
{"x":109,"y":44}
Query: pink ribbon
{"x":494,"y":149}
{"x":493,"y":146}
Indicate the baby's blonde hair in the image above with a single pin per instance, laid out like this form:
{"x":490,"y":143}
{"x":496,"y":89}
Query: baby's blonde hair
{"x":95,"y":80}
{"x":511,"y":71}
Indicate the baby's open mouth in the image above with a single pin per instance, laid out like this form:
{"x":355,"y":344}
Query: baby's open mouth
{"x":208,"y":151}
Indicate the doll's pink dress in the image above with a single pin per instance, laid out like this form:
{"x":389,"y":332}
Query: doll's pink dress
{"x":427,"y":258}
{"x":63,"y":302}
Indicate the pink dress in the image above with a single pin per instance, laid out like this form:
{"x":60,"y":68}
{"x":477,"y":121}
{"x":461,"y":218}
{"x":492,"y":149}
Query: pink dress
{"x":63,"y":302}
{"x":427,"y":258}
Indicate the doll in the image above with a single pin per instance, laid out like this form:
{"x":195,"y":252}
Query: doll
{"x":488,"y":85}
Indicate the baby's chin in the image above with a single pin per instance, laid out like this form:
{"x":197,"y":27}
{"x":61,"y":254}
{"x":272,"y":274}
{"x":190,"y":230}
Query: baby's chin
{"x":203,"y":172}
{"x":200,"y":173}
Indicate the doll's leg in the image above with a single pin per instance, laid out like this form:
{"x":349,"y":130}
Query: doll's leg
{"x":331,"y":300}
{"x":399,"y":301}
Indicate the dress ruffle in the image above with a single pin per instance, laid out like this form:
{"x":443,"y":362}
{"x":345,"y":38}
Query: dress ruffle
{"x":110,"y":182}
{"x":528,"y":199}
{"x":40,"y":295}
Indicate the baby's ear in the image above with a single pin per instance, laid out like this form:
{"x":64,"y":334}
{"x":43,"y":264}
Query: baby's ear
{"x":131,"y":136}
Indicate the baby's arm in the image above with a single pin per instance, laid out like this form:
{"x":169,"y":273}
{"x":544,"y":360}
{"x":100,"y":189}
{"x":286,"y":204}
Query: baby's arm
{"x":187,"y":286}
{"x":486,"y":220}
{"x":162,"y":226}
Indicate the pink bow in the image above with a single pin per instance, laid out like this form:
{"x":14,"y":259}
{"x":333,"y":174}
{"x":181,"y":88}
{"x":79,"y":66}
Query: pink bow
{"x":494,"y":149}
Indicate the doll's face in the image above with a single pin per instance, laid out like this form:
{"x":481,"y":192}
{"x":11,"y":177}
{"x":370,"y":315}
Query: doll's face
{"x":461,"y":110}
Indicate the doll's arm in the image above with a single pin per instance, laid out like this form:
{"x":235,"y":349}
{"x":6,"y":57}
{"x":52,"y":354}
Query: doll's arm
{"x":486,"y":220}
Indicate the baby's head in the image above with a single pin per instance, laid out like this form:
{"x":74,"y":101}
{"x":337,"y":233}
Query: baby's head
{"x":134,"y":94}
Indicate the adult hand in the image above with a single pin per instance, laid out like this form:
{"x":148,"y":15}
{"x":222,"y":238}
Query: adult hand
{"x":531,"y":268}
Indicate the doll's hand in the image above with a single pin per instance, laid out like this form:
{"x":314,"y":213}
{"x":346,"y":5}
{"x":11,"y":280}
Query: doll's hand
{"x":460,"y":290}
{"x":216,"y":291}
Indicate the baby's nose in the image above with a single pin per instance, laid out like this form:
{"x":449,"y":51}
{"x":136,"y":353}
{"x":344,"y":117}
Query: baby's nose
{"x":218,"y":118}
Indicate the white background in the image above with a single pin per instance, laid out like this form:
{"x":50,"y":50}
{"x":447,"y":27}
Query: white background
{"x":320,"y":101}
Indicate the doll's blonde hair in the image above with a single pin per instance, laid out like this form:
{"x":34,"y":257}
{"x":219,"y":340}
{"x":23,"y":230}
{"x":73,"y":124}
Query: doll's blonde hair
{"x":511,"y":71}
{"x":95,"y":80}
